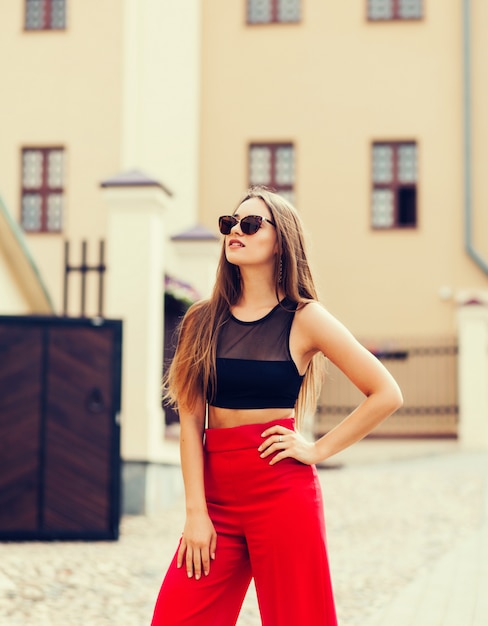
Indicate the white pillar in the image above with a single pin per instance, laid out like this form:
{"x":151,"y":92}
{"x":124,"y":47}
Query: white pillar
{"x":473,"y":375}
{"x":135,"y":293}
{"x":195,"y":258}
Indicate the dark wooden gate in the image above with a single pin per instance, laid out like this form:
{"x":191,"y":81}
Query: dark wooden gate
{"x":59,"y":431}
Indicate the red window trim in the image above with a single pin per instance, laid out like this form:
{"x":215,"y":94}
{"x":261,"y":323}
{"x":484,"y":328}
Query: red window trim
{"x":273,"y":147}
{"x":274,"y":15}
{"x":47,"y":18}
{"x":44,"y":190}
{"x":396,"y":17}
{"x":394,"y":185}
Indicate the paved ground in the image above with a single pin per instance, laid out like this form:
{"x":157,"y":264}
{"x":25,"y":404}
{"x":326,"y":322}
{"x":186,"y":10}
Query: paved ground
{"x":408,"y":543}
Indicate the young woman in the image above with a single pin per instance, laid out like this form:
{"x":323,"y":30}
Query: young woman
{"x":246,"y":370}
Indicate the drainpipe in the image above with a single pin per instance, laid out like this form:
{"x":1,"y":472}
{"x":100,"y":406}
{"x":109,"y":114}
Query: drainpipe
{"x":468,"y":199}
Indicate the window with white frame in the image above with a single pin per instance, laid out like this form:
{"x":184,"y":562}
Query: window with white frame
{"x":385,"y":10}
{"x":42,"y":203}
{"x":273,"y":165}
{"x":273,"y":11}
{"x":45,"y":14}
{"x":394,"y":185}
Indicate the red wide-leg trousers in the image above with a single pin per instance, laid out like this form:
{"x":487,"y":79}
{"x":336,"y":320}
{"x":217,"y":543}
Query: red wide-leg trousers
{"x":270,"y":525}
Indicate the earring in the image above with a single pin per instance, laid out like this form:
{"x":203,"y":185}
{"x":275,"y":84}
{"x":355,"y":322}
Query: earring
{"x":280,"y":272}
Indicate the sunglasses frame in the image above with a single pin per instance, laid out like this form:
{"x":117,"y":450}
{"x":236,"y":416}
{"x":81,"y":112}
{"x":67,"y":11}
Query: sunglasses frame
{"x":241,"y":221}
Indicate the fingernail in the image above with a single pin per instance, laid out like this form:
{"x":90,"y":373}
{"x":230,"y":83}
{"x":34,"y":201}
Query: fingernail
{"x":212,"y":555}
{"x":189,"y":574}
{"x":197,"y":577}
{"x":263,"y":434}
{"x":259,"y":449}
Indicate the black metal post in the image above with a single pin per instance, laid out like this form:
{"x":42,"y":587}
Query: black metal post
{"x":66,"y":272}
{"x":83,"y":270}
{"x":101,"y":275}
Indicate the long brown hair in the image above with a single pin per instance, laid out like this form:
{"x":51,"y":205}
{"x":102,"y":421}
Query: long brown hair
{"x":192,"y":371}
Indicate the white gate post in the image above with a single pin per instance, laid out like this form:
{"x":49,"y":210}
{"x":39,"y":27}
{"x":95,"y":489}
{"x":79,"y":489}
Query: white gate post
{"x":195,"y":256}
{"x":135,"y":293}
{"x":473,"y":374}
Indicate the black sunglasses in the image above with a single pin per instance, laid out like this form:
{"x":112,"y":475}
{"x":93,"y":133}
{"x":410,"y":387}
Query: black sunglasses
{"x":249,"y":224}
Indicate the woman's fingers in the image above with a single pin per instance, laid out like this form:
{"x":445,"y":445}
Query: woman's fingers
{"x":208,"y":554}
{"x":181,"y":553}
{"x":281,"y":443}
{"x":194,"y":563}
{"x":205,"y":561}
{"x":213,"y":546}
{"x":197,"y":547}
{"x":197,"y":560}
{"x":277,"y":439}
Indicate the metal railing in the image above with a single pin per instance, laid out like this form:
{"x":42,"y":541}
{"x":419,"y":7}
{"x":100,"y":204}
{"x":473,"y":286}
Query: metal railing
{"x":426,"y":370}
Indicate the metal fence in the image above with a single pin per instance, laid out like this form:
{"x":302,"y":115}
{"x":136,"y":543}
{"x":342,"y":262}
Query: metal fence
{"x":425,"y":369}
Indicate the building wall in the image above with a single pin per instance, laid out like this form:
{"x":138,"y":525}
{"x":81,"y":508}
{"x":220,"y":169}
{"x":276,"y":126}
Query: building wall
{"x":479,"y":108}
{"x":161,"y":82}
{"x":63,"y":92}
{"x":118,"y":89}
{"x":332,"y":85}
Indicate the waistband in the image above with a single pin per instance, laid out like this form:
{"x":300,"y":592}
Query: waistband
{"x":241,"y":437}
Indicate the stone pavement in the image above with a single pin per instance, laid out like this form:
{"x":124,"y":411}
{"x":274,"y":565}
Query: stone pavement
{"x":407,"y":527}
{"x":451,"y":590}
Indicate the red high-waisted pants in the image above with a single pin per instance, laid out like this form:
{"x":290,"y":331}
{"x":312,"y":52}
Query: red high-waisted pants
{"x":270,"y":525}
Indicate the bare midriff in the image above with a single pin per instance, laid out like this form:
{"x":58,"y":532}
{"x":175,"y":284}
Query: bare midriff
{"x":228,"y":418}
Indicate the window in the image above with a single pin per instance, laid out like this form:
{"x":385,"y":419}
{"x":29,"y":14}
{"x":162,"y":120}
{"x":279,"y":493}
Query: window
{"x":394,"y":198}
{"x":45,"y":14}
{"x":273,"y":11}
{"x":273,"y":165}
{"x":394,"y":10}
{"x":42,"y":189}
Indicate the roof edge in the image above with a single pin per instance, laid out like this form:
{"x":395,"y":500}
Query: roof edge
{"x":133,"y":178}
{"x":19,"y":245}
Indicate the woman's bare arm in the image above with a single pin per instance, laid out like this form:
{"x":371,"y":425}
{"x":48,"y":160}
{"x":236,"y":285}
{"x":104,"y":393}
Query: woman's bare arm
{"x":199,"y":540}
{"x":317,"y":330}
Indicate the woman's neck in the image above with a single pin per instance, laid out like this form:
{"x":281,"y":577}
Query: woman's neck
{"x":258,"y":291}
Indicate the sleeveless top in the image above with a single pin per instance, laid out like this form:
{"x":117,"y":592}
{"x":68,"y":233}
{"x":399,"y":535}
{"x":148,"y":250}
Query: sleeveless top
{"x":254,"y":368}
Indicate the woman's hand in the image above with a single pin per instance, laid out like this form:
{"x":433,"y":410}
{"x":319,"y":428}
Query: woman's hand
{"x":287,"y":443}
{"x":198,"y":545}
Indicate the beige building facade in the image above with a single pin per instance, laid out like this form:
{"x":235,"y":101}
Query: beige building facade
{"x":114,"y":88}
{"x":182,"y":91}
{"x":104,"y":93}
{"x":332,"y":84}
{"x":369,"y":115}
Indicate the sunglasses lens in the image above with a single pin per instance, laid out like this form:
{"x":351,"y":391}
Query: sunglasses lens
{"x":226,"y":223}
{"x":251,"y":224}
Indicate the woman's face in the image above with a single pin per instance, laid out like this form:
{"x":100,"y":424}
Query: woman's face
{"x":257,"y":249}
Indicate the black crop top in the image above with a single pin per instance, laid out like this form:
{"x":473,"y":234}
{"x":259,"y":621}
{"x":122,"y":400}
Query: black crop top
{"x":255,"y":369}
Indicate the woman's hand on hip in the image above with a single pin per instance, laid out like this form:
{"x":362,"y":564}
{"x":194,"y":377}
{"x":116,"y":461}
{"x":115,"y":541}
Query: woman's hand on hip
{"x":285,"y":443}
{"x":198,"y":545}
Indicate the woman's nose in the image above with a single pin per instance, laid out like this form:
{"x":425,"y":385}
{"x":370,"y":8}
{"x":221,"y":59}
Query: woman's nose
{"x":236,"y":228}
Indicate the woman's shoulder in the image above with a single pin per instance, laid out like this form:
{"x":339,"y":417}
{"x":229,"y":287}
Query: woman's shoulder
{"x":311,"y":311}
{"x":196,"y":311}
{"x":198,"y":306}
{"x":309,"y":305}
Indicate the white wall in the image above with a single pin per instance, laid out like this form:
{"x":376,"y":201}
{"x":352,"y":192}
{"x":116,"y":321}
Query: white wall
{"x":161,"y":98}
{"x":473,"y":373}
